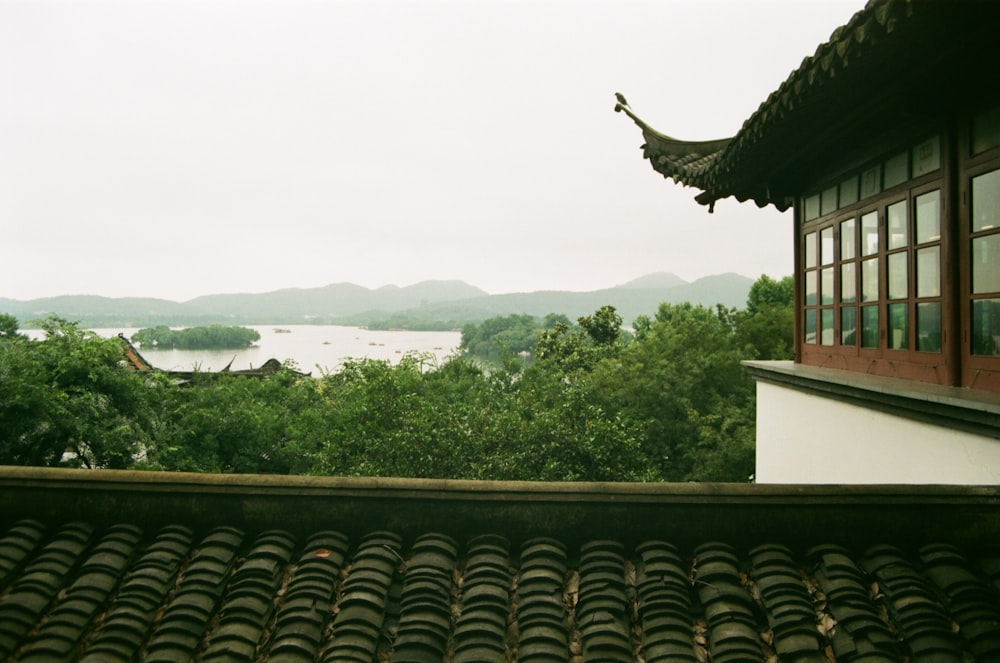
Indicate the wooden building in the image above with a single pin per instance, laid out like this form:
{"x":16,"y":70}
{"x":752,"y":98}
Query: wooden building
{"x":886,"y":144}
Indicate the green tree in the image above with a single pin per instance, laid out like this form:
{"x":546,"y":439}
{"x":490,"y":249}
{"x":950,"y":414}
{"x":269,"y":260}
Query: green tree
{"x":580,"y":349}
{"x":234,"y":424}
{"x":672,"y":402}
{"x":8,"y":326}
{"x":766,"y":326}
{"x":682,"y":378}
{"x":460,"y":421}
{"x":212,"y":337}
{"x":500,"y":336}
{"x":67,"y":399}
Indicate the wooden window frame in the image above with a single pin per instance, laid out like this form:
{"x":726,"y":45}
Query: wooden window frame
{"x":978,"y":371}
{"x":909,"y":362}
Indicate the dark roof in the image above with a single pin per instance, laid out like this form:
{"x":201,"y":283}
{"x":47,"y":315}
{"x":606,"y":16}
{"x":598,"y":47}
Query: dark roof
{"x":894,"y":62}
{"x":106,"y":566}
{"x":137,"y":362}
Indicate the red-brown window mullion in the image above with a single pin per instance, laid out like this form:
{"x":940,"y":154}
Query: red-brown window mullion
{"x":922,"y":243}
{"x":836,"y":284}
{"x":827,"y":292}
{"x":839,"y":263}
{"x":886,"y":255}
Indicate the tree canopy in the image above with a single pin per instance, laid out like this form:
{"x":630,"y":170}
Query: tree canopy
{"x":501,"y":336}
{"x":212,"y":337}
{"x":668,"y":402}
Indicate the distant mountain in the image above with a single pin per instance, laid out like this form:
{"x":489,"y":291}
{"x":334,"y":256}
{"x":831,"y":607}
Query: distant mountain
{"x":332,"y":301}
{"x":90,"y":309}
{"x":659,"y":280}
{"x":430,"y":303}
{"x":630,"y":301}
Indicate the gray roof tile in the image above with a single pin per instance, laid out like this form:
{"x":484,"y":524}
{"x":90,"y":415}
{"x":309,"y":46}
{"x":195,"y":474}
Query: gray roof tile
{"x":244,"y":591}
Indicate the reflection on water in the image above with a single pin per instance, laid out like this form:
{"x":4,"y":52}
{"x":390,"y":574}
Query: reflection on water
{"x":313,"y":348}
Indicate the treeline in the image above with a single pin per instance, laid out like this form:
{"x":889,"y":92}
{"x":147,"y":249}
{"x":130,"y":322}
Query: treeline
{"x":503,"y":336}
{"x":669,"y":403}
{"x":212,"y":337}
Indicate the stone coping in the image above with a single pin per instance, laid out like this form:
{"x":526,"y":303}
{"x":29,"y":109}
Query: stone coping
{"x":631,"y":512}
{"x":970,"y":410}
{"x":63,"y":479}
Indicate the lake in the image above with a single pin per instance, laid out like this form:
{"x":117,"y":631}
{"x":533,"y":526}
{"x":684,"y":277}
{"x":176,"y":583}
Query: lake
{"x":314,"y":348}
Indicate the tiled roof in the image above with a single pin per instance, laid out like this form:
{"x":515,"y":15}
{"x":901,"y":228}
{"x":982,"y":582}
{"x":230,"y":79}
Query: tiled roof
{"x":406,"y":570}
{"x":891,"y":47}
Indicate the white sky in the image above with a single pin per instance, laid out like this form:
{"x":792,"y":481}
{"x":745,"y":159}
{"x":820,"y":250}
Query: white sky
{"x":174,"y":148}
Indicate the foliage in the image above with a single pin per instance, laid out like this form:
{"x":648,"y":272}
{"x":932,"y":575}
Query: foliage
{"x":408,"y":323}
{"x":503,"y":336}
{"x":67,"y":399}
{"x":460,"y":422}
{"x":8,"y":326}
{"x":671,"y":403}
{"x":212,"y":337}
{"x":232,"y":424}
{"x":767,"y":324}
{"x":684,"y":380}
{"x":598,"y":337}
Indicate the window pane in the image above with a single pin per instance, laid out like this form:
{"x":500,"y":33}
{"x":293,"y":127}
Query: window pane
{"x":896,"y":170}
{"x":809,"y":249}
{"x":896,"y":215}
{"x":849,"y":192}
{"x":896,"y":272}
{"x":869,"y":280}
{"x":848,"y":242}
{"x":986,"y":201}
{"x":929,"y":327}
{"x":810,"y":287}
{"x":826,"y":286}
{"x":897,"y":327}
{"x":929,"y":272}
{"x":826,"y":246}
{"x":871,"y":181}
{"x":826,"y":326}
{"x":828,"y":201}
{"x":986,"y":327}
{"x":869,"y":326}
{"x":812,"y":207}
{"x":927,"y":157}
{"x":848,"y":289}
{"x":810,"y":323}
{"x":928,"y":210}
{"x":848,"y":325}
{"x":869,"y":234}
{"x":986,"y":264}
{"x":986,"y":131}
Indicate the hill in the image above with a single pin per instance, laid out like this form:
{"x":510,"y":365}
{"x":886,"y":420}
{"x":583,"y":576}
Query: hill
{"x":429,"y":304}
{"x":629,"y":299}
{"x":656,"y":280}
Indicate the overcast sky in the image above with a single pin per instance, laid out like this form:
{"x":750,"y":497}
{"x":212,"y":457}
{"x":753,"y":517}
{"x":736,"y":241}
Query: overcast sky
{"x":174,"y":148}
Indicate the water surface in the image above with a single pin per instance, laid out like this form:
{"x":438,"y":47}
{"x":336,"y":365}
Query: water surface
{"x":313,"y":348}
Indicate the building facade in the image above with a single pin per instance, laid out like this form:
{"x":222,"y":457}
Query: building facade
{"x":886,"y":144}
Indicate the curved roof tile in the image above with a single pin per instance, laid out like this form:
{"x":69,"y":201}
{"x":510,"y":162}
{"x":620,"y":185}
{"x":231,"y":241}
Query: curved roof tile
{"x":138,"y":566}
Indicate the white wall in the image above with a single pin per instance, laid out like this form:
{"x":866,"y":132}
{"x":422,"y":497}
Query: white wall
{"x":803,"y":438}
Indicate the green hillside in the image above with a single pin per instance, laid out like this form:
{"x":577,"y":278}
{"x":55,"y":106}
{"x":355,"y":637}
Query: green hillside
{"x":426,"y":305}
